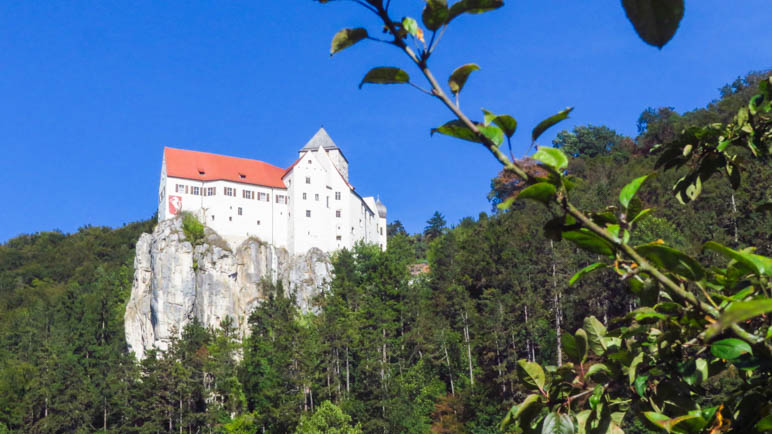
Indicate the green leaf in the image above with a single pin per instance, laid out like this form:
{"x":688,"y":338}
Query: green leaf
{"x":586,"y":270}
{"x":655,"y":21}
{"x":506,"y":204}
{"x":531,"y":374}
{"x":458,"y":130}
{"x":521,"y":412}
{"x":385,"y":75}
{"x":640,"y":384}
{"x":458,"y":78}
{"x":596,"y":331}
{"x":590,"y":242}
{"x":688,"y":188}
{"x":410,"y":25}
{"x":693,"y":371}
{"x":558,"y":423}
{"x":668,"y":424}
{"x":764,"y":424}
{"x":629,"y":190}
{"x":739,"y":311}
{"x":550,"y":121}
{"x":435,"y":14}
{"x":757,"y":263}
{"x":672,"y":260}
{"x":473,"y":7}
{"x":596,"y":396}
{"x":730,"y":349}
{"x":493,"y":133}
{"x":346,"y":38}
{"x":633,"y":366}
{"x":598,"y":368}
{"x":640,"y":215}
{"x":541,"y":192}
{"x":646,"y":312}
{"x":702,"y":368}
{"x":552,"y":157}
{"x":507,"y":123}
{"x":570,"y":347}
{"x":581,"y":421}
{"x":581,"y":344}
{"x":529,"y":409}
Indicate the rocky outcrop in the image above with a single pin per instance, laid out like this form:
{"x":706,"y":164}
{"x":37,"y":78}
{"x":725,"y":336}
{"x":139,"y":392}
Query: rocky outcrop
{"x":175,"y":281}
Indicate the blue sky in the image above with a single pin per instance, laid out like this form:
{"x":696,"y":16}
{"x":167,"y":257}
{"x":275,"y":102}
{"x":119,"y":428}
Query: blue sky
{"x":91,"y":91}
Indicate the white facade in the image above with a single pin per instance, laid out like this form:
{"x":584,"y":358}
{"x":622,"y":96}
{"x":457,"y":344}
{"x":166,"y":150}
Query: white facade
{"x":310,"y":204}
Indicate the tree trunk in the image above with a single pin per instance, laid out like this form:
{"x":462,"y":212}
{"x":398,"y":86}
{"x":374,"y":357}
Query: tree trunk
{"x":556,"y":302}
{"x":465,"y":317}
{"x":450,"y":373}
{"x":528,"y":344}
{"x":348,"y":388}
{"x":734,"y":220}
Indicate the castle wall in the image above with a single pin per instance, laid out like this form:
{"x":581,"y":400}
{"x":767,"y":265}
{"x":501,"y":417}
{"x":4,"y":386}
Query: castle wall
{"x":249,"y":210}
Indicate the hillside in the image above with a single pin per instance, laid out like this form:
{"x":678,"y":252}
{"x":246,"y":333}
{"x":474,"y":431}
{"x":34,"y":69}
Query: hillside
{"x":391,"y":351}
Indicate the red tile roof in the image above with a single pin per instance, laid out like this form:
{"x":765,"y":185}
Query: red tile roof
{"x":203,"y":166}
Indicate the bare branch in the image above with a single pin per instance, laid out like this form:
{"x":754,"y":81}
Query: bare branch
{"x":420,"y":88}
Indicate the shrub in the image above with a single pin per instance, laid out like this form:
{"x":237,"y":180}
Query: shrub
{"x":193,"y":229}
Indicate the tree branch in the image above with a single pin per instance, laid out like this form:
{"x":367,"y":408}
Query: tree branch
{"x":511,"y":165}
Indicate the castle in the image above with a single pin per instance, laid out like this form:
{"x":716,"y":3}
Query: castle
{"x":309,"y":204}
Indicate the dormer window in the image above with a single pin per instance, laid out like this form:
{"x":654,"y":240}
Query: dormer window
{"x":201,"y":172}
{"x":242,"y":176}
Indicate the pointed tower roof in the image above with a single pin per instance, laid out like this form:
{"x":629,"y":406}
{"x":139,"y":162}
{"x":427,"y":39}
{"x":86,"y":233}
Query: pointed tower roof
{"x":380,"y":207}
{"x":321,"y":138}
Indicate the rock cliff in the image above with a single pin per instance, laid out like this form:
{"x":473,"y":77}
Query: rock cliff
{"x":176,"y":281}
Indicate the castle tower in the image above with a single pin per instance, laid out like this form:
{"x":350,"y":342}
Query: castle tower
{"x":321,"y":138}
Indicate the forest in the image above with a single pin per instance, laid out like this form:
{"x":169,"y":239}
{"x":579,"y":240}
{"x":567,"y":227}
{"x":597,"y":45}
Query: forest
{"x":440,"y":333}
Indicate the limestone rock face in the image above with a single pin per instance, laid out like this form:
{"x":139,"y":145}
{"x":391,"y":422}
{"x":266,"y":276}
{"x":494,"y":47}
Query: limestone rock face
{"x":175,"y":281}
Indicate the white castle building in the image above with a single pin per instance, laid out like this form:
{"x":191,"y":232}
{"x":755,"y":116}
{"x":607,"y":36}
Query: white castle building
{"x":310,"y":204}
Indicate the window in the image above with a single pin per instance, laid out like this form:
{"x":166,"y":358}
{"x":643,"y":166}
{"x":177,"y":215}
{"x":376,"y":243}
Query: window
{"x":308,"y":213}
{"x":304,"y":196}
{"x":308,"y":179}
{"x":242,"y":176}
{"x":201,"y":172}
{"x":337,"y":195}
{"x":240,"y":212}
{"x":196,"y":191}
{"x":212,"y":217}
{"x":316,"y":197}
{"x":380,"y":230}
{"x":230,"y":219}
{"x":228,"y":191}
{"x":211,"y":191}
{"x":248,"y":194}
{"x":179,"y":188}
{"x":258,"y":222}
{"x":309,"y":161}
{"x":337,"y":213}
{"x":338,"y":237}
